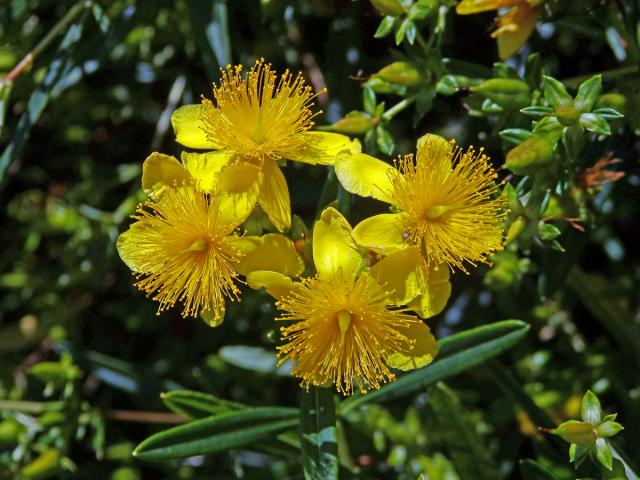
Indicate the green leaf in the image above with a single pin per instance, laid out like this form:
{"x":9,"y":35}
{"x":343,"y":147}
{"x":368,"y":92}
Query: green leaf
{"x":193,"y":405}
{"x":548,"y":231}
{"x":573,"y":139}
{"x":466,"y":447}
{"x":595,"y":123}
{"x":319,"y":434}
{"x":256,"y":359}
{"x":5,"y":91}
{"x":386,"y":143}
{"x":218,"y":433}
{"x":458,"y":353}
{"x":369,"y":100}
{"x":534,"y":70}
{"x":59,"y":68}
{"x":532,"y":470}
{"x":209,"y":24}
{"x":411,"y":31}
{"x":515,"y":136}
{"x":607,"y":113}
{"x":591,"y":410}
{"x":537,"y":111}
{"x":578,"y":453}
{"x":555,"y":93}
{"x":385,"y":27}
{"x":609,"y":429}
{"x":603,"y":453}
{"x":588,"y":93}
{"x":402,"y":31}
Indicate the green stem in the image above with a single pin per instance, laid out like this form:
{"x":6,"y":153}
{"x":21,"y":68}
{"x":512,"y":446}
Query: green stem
{"x":398,"y":107}
{"x":58,"y":29}
{"x":319,"y":447}
{"x":612,"y":74}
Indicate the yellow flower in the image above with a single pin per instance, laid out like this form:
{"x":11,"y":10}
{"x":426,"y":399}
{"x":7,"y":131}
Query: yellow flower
{"x":346,"y":326}
{"x":514,"y":27}
{"x":445,"y":203}
{"x":183,"y":248}
{"x":257,"y":119}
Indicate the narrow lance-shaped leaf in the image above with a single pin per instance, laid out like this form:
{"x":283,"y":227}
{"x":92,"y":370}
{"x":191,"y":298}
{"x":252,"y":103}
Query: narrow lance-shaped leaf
{"x":218,"y":433}
{"x":458,"y":353}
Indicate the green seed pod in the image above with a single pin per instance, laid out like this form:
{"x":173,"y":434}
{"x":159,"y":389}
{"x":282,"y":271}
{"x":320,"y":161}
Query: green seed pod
{"x":9,"y":431}
{"x":509,"y":93}
{"x":45,"y":466}
{"x":355,"y":123}
{"x":52,"y":372}
{"x":580,"y":433}
{"x":388,"y":7}
{"x":567,"y":116}
{"x":515,"y":229}
{"x":403,"y":73}
{"x":530,"y":156}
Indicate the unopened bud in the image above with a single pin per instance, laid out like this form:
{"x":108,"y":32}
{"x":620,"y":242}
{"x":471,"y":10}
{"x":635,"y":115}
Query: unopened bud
{"x":509,"y":93}
{"x":515,"y":229}
{"x":616,"y":101}
{"x":403,"y":73}
{"x":580,"y":433}
{"x":567,"y":116}
{"x":44,"y":466}
{"x":530,"y":156}
{"x":388,"y":7}
{"x":355,"y":123}
{"x":9,"y":431}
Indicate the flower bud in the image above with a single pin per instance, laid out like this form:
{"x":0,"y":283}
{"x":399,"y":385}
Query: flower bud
{"x":509,"y":93}
{"x":580,"y":433}
{"x":388,"y":7}
{"x":567,"y":116}
{"x":530,"y":156}
{"x":515,"y":229}
{"x":403,"y":73}
{"x":616,"y":101}
{"x":44,"y":466}
{"x":355,"y":123}
{"x":9,"y":431}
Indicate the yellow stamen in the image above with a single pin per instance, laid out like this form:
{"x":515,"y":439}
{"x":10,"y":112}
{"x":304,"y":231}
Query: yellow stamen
{"x":259,"y":115}
{"x":341,"y":332}
{"x":451,"y":204}
{"x":180,"y":251}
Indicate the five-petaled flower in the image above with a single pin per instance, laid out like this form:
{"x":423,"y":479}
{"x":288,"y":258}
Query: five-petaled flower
{"x":346,"y":325}
{"x":514,"y":26}
{"x":445,"y":203}
{"x":184,"y":246}
{"x":255,"y":120}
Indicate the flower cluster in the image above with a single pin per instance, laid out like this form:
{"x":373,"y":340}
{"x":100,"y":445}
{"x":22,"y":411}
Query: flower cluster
{"x":357,"y":316}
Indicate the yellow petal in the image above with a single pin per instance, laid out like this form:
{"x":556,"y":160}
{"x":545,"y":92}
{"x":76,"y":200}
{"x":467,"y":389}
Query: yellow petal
{"x":235,"y":208}
{"x":128,"y":246}
{"x":160,"y":171}
{"x":203,"y":167}
{"x":422,"y":353}
{"x":276,"y":284}
{"x":515,"y":28}
{"x":467,"y":7}
{"x":366,"y":176}
{"x":323,"y":147}
{"x":272,"y":252}
{"x":334,"y":250}
{"x":436,"y":291}
{"x":382,"y":233}
{"x":400,"y":273}
{"x":187,"y":127}
{"x":237,"y":177}
{"x":274,"y":195}
{"x":434,"y":150}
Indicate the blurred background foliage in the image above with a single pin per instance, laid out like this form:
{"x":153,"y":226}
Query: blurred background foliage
{"x":84,"y":355}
